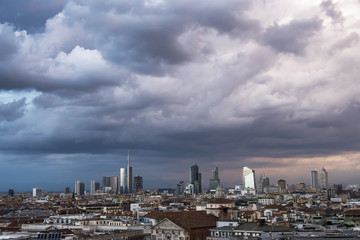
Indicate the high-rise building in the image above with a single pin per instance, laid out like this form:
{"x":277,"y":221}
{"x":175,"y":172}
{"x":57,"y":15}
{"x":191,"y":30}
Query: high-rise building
{"x":126,"y":184}
{"x":79,"y":188}
{"x":67,"y":190}
{"x":324,"y":179}
{"x":122,"y":180}
{"x":110,"y":184}
{"x":249,"y":178}
{"x":138,"y":184}
{"x":37,"y":192}
{"x":314,"y":179}
{"x":180,"y":187}
{"x":282,"y":185}
{"x":196,"y":179}
{"x":94,"y":186}
{"x":214,"y":182}
{"x":11,"y":192}
{"x":265,"y":185}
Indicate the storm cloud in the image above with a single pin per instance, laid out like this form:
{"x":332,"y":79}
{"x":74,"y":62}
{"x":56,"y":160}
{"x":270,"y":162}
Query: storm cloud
{"x":177,"y":83}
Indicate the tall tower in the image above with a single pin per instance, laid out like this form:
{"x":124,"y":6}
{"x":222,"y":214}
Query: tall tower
{"x":196,"y":179}
{"x":314,"y":179}
{"x":214,"y":182}
{"x":126,"y":181}
{"x":129,"y":175}
{"x":123,"y":188}
{"x":324,"y":179}
{"x":249,"y":178}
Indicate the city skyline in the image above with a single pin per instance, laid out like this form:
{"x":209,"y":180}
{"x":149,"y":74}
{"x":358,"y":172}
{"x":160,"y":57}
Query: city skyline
{"x":272,"y":85}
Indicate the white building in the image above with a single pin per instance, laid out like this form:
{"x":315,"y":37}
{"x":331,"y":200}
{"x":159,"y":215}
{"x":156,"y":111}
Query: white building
{"x":37,"y":192}
{"x":324,"y":179}
{"x":249,"y":178}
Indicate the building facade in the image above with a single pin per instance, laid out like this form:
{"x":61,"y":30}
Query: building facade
{"x":314,"y":179}
{"x":249,"y":178}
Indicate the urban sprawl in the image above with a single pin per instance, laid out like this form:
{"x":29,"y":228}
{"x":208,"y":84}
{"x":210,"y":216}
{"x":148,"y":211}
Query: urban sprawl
{"x":119,"y":208}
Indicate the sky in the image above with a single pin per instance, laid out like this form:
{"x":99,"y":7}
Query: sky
{"x":268,"y":84}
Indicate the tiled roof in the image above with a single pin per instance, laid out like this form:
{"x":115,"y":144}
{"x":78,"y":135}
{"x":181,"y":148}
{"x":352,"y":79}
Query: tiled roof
{"x":187,"y":220}
{"x":219,"y":201}
{"x":262,"y":228}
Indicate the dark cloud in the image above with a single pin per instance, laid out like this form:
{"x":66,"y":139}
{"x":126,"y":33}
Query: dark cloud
{"x":176,"y":84}
{"x":29,"y":15}
{"x":292,"y":37}
{"x":12,"y":110}
{"x":8,"y":45}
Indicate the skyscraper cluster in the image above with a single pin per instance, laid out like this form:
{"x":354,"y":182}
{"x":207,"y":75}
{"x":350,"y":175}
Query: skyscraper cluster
{"x":110,"y":184}
{"x":324,"y":182}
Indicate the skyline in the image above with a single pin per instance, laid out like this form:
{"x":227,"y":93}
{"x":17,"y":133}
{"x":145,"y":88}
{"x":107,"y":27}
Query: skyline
{"x":272,"y":85}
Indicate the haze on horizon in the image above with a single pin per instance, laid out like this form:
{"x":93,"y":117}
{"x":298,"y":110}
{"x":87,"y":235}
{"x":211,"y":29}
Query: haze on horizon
{"x":268,"y":84}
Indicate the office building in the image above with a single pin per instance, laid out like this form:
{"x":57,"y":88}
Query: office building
{"x":282,"y":185}
{"x":249,"y":178}
{"x":265,"y":185}
{"x":110,"y":184}
{"x":11,"y":192}
{"x":214,"y":182}
{"x":196,"y":179}
{"x":126,"y":183}
{"x":314,"y":179}
{"x":79,"y":188}
{"x":324,"y":179}
{"x":180,"y":188}
{"x":67,"y":190}
{"x":138,"y":184}
{"x":94,"y":186}
{"x":37,"y":192}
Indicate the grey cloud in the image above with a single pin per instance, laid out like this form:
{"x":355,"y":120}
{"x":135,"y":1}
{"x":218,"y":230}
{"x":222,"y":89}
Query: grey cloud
{"x":13,"y":110}
{"x":153,"y":42}
{"x":330,"y":10}
{"x":292,"y":37}
{"x":29,"y":15}
{"x":350,"y":41}
{"x":8,"y":46}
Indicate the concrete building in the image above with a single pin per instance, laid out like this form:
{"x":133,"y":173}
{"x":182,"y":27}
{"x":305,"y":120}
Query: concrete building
{"x":37,"y":192}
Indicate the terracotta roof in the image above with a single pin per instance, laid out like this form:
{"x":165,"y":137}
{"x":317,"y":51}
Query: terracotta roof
{"x":262,"y":228}
{"x":186,"y":220}
{"x":220,"y":200}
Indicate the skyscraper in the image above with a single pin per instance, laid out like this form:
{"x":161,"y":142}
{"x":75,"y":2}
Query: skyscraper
{"x":79,"y":188}
{"x":94,"y":186}
{"x":249,"y":178}
{"x":214,"y":182}
{"x":180,"y":187}
{"x":282,"y":185}
{"x":37,"y":192}
{"x":138,"y":184}
{"x":314,"y":179}
{"x":110,"y":184}
{"x":324,"y":179}
{"x":196,"y":179}
{"x":126,"y":184}
{"x":265,"y":184}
